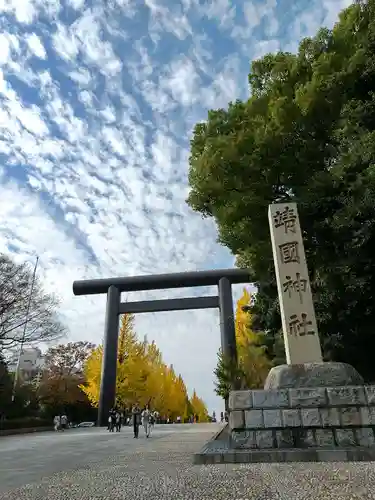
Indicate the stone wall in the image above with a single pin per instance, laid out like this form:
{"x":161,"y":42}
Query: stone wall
{"x":300,"y":418}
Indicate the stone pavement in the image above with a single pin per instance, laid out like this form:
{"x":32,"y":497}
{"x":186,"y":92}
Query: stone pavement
{"x":92,"y":464}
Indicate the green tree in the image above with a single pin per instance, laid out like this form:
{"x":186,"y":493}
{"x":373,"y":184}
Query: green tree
{"x":228,"y":377}
{"x":306,"y":134}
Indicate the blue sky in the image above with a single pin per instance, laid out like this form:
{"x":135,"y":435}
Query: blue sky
{"x":98,"y":101}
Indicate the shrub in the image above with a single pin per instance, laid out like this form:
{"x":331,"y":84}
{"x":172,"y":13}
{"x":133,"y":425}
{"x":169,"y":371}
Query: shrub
{"x":24,"y":423}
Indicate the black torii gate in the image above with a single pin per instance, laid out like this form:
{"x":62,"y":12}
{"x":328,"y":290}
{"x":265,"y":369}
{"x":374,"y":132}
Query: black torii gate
{"x":223,"y":278}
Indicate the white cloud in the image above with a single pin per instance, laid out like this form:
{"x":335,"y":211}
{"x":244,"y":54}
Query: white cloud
{"x":82,"y":76}
{"x":9,"y":46}
{"x":23,"y":10}
{"x":26,"y":11}
{"x":4,"y":49}
{"x":76,"y":4}
{"x":36,"y":46}
{"x":95,"y":50}
{"x":167,"y":17}
{"x":96,"y":146}
{"x":65,"y":43}
{"x":182,"y":81}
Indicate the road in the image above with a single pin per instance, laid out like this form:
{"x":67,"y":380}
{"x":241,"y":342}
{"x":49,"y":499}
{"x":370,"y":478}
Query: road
{"x":91,"y":464}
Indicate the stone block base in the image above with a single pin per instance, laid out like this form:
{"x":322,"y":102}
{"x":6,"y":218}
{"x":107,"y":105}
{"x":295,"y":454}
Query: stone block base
{"x":217,"y":456}
{"x":324,"y":419}
{"x":303,"y":438}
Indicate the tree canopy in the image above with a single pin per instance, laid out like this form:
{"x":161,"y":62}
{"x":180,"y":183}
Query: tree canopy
{"x":306,"y":134}
{"x":253,"y":363}
{"x":142,"y":377}
{"x":52,"y":388}
{"x":62,"y":375}
{"x":15,"y":293}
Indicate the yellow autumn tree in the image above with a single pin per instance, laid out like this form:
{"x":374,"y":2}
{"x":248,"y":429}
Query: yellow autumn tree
{"x":142,"y":376}
{"x":181,"y":398}
{"x":132,"y":368}
{"x":253,"y":364}
{"x":153,"y":366}
{"x":251,"y":356}
{"x":199,"y":408}
{"x":92,"y":373}
{"x":174,"y":395}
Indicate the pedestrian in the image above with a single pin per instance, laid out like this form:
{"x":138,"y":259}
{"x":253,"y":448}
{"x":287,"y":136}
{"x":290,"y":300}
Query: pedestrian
{"x":118,"y":421}
{"x":57,"y":423}
{"x":111,"y":420}
{"x":146,"y":415}
{"x":152,"y":420}
{"x":136,"y":415}
{"x":64,"y":422}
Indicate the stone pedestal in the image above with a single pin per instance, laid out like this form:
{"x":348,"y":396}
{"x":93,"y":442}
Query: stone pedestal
{"x":306,"y":412}
{"x":312,"y":412}
{"x":311,"y":375}
{"x":307,"y":420}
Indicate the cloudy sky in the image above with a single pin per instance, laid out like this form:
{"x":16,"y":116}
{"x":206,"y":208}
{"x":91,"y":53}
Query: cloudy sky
{"x":98,"y":101}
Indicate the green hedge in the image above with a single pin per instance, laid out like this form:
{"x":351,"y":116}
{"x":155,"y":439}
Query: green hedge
{"x":24,"y":423}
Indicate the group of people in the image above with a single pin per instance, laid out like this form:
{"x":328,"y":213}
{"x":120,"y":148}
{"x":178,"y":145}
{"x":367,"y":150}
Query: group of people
{"x":114,"y":421}
{"x":139,"y":417}
{"x":60,"y":422}
{"x":145,"y":417}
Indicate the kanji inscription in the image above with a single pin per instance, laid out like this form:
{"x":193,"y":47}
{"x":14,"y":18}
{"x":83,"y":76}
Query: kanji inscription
{"x":297,"y":285}
{"x":289,"y":252}
{"x":301,"y":337}
{"x":286,"y":218}
{"x":300,"y":325}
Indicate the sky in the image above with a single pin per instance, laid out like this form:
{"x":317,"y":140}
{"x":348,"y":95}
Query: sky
{"x":98,"y":102}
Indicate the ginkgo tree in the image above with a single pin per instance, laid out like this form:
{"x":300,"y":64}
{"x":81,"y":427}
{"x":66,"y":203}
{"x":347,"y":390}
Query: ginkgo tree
{"x":142,"y":376}
{"x":251,"y":352}
{"x":253,"y":364}
{"x":199,"y":408}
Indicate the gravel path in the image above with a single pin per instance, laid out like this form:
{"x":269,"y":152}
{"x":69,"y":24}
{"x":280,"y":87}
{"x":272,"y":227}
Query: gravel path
{"x":95,"y":465}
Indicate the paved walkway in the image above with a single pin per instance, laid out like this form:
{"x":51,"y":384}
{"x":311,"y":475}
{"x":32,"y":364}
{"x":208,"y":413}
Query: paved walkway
{"x":95,"y":465}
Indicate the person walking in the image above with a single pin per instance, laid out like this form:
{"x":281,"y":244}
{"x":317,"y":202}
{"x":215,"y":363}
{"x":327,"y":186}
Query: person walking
{"x":152,"y":420}
{"x":111,"y":420}
{"x":146,"y":417}
{"x":118,"y":421}
{"x":136,"y":415}
{"x":57,"y":422}
{"x":64,"y":422}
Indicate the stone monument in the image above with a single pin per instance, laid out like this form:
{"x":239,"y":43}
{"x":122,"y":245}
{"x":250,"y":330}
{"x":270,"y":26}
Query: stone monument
{"x":308,"y":410}
{"x":301,"y":337}
{"x":305,"y":367}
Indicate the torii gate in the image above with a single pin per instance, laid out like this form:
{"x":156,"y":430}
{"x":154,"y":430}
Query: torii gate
{"x":222,"y":278}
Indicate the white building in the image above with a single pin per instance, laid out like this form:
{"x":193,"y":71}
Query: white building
{"x":30,"y":363}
